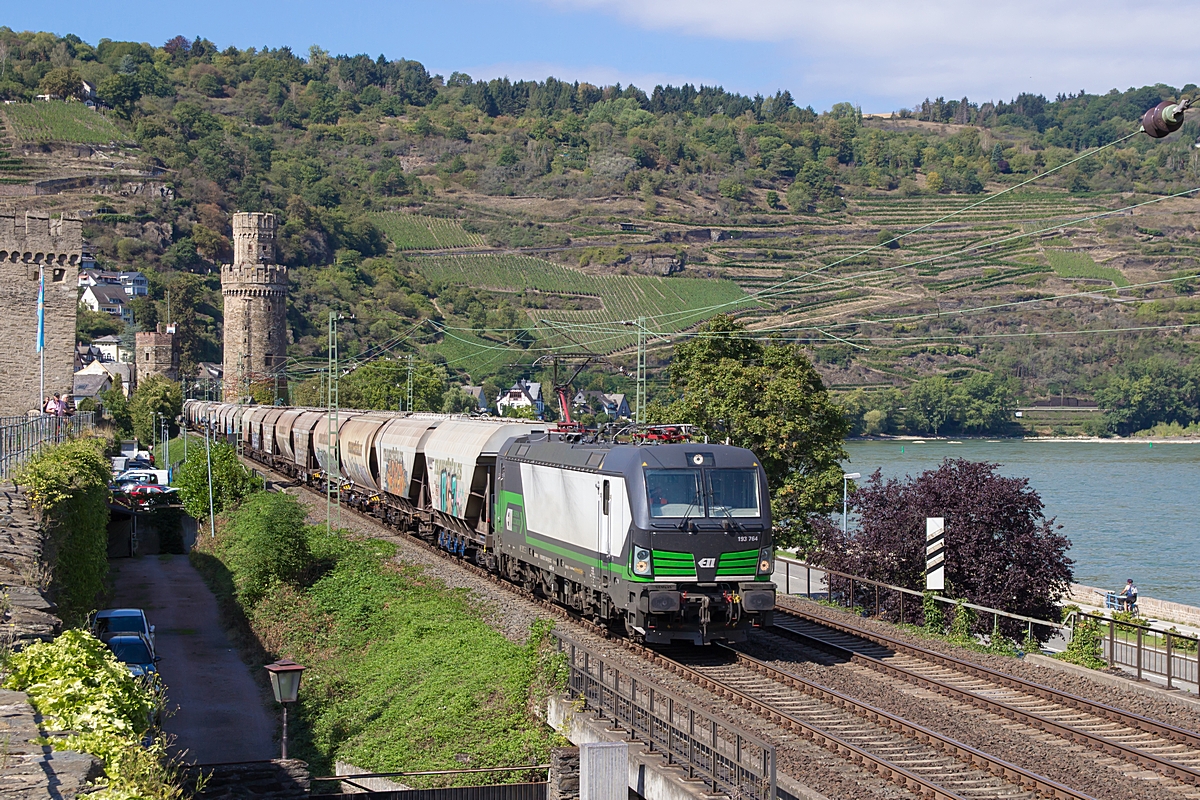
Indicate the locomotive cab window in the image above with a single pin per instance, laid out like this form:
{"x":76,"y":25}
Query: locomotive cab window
{"x":733,"y":492}
{"x":674,"y":492}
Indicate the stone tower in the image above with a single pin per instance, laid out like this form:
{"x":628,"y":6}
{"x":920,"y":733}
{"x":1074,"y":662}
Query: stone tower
{"x":155,"y":353}
{"x":27,"y":247}
{"x":255,"y":291}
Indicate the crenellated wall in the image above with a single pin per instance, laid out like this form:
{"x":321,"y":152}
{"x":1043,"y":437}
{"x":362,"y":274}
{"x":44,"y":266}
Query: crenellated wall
{"x":28,"y":245}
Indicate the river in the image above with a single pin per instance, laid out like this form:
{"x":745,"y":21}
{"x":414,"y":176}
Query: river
{"x":1129,"y":508}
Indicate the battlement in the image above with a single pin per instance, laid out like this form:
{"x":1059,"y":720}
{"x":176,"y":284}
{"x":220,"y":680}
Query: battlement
{"x":38,"y":239}
{"x":253,"y":238}
{"x":263,"y":274}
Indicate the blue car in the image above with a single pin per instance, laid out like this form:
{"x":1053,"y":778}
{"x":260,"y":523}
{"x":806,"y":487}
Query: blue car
{"x":136,"y":653}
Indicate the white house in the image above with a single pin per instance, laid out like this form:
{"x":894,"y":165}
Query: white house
{"x":523,"y":394}
{"x":109,"y":298}
{"x":111,"y":351}
{"x":134,"y":284}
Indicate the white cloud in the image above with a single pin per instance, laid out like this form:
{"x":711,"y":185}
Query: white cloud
{"x":903,"y":51}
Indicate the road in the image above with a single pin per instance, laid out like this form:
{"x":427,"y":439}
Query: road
{"x":220,"y":714}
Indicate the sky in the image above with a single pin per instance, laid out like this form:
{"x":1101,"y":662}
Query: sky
{"x":881,"y":56}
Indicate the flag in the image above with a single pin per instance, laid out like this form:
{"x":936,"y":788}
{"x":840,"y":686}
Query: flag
{"x":41,"y":336}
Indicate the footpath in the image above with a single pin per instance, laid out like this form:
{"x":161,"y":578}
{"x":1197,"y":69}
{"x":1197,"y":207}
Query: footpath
{"x":218,"y":714}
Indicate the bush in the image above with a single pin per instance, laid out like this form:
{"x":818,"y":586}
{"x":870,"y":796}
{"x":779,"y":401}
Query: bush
{"x":77,"y":686}
{"x":269,"y":545}
{"x":68,"y":483}
{"x":155,"y":396}
{"x":230,"y":480}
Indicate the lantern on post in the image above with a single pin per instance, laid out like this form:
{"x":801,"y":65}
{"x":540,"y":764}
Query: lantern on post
{"x":285,"y":683}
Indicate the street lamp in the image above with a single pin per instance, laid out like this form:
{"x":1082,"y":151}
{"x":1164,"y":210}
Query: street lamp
{"x":285,"y":683}
{"x":846,"y":478}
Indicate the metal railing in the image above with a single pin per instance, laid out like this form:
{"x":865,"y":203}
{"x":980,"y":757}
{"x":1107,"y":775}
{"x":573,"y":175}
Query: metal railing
{"x":22,"y":438}
{"x":888,"y":601}
{"x":1147,"y":650}
{"x":728,"y":759}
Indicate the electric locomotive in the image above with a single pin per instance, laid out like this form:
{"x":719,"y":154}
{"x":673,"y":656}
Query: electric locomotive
{"x":663,"y":541}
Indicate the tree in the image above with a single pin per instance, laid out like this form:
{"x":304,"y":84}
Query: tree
{"x":91,"y":325}
{"x":934,"y":182}
{"x":231,"y":482}
{"x":985,"y":403}
{"x":120,"y":93}
{"x":768,"y":399}
{"x":1001,"y":551}
{"x":117,"y":406}
{"x":61,"y":82}
{"x":1148,"y":392}
{"x":155,"y":397}
{"x":930,"y":404}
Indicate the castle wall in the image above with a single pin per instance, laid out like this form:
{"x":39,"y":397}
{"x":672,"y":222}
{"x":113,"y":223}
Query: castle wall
{"x":26,"y":246}
{"x":255,"y":294}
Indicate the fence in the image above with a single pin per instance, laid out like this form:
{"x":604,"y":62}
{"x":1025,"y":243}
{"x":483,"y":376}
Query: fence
{"x":1169,"y":655}
{"x":889,"y":601}
{"x":726,"y":758}
{"x":22,"y":438}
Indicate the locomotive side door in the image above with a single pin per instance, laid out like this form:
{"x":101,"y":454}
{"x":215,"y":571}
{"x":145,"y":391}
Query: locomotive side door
{"x":604,"y":529}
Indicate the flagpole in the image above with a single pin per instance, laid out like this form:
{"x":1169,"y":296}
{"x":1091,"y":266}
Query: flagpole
{"x":41,"y":338}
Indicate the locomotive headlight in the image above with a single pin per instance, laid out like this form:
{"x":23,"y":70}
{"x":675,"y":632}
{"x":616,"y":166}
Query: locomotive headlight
{"x":641,"y":561}
{"x":765,"y":566}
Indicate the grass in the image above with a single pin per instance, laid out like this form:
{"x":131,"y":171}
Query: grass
{"x":58,"y":121}
{"x":1067,"y":264}
{"x":404,"y":673}
{"x":418,"y":232}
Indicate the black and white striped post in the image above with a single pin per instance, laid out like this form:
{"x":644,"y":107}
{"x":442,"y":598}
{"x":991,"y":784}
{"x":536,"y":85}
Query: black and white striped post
{"x":935,"y":554}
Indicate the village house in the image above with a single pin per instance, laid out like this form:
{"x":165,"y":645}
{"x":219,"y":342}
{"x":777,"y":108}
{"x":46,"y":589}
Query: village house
{"x":595,"y":402}
{"x":479,"y":396}
{"x":133,"y":283}
{"x":523,"y":394}
{"x":109,"y":298}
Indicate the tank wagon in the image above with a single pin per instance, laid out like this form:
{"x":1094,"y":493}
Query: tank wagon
{"x":664,"y":542}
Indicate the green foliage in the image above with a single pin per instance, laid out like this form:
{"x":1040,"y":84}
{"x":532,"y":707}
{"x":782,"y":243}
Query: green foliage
{"x":961,"y":625}
{"x":1069,"y":264}
{"x":155,"y":397}
{"x":770,"y":400}
{"x":268,"y":547}
{"x":231,"y":482}
{"x":1084,"y":648}
{"x":116,"y":406}
{"x":91,"y":325}
{"x":1150,"y":392}
{"x":68,"y":483}
{"x":935,"y":617}
{"x":980,"y":404}
{"x":58,"y":121}
{"x":79,"y":688}
{"x":399,"y":664}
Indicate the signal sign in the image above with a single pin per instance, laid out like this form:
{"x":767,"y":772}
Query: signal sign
{"x":935,"y":554}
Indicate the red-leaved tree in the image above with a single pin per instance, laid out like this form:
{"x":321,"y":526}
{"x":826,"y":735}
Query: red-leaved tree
{"x":1001,"y":550}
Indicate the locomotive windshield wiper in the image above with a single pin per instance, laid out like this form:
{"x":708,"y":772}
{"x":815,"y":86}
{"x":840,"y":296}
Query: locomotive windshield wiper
{"x":687,"y":517}
{"x":729,"y":518}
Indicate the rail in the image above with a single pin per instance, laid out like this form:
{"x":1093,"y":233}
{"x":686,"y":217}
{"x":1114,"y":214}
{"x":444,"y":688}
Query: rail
{"x":22,"y":438}
{"x":846,"y":589}
{"x":1147,"y":650}
{"x":729,"y":760}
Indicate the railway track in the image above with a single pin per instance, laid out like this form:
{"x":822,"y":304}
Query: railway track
{"x":918,"y":758}
{"x":906,"y":754}
{"x":1169,"y":750}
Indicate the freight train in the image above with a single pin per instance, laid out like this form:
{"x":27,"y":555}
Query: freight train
{"x":664,"y":541}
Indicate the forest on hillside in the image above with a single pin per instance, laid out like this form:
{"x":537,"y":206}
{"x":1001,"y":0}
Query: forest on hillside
{"x":331,"y":143}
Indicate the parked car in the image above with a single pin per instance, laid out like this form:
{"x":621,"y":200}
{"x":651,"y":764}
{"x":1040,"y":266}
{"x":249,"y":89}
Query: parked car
{"x":146,"y":495}
{"x":136,"y":652}
{"x":141,"y":476}
{"x":114,"y":621}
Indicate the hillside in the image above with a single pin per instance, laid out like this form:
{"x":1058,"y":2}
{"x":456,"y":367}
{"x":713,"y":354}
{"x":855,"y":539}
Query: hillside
{"x":482,"y":224}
